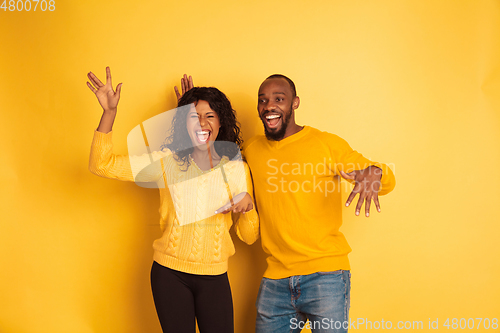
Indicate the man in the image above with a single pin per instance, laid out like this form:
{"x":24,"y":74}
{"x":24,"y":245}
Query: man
{"x":295,"y":170}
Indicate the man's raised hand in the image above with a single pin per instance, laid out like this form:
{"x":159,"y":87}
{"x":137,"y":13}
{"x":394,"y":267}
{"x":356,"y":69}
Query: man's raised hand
{"x":186,"y":84}
{"x":367,"y":186}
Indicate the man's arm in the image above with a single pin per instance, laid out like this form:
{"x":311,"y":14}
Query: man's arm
{"x":370,"y":179}
{"x":368,"y":185}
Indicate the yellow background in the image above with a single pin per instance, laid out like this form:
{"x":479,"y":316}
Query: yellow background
{"x":415,"y":84}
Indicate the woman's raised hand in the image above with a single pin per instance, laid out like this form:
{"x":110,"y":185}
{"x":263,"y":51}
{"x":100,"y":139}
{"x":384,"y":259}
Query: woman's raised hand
{"x":104,"y":92}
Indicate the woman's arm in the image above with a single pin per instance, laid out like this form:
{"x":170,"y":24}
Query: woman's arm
{"x":247,"y":226}
{"x":108,"y":99}
{"x":244,"y":214}
{"x":102,"y":160}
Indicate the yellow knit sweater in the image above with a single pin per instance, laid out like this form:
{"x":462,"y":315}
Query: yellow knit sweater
{"x":194,"y":240}
{"x":299,"y":198}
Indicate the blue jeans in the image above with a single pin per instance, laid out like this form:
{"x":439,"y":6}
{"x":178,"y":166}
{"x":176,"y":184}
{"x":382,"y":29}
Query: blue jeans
{"x":284,"y":305}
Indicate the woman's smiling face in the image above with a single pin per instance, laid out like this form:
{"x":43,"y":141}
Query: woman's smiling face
{"x":202,"y":125}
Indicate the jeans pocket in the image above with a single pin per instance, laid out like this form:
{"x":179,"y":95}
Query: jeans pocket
{"x":261,"y":290}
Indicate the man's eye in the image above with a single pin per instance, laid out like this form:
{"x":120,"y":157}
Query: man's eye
{"x":279,"y":99}
{"x":194,"y":116}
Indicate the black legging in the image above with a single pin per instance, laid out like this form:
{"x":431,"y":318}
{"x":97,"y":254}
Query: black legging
{"x":180,"y":297}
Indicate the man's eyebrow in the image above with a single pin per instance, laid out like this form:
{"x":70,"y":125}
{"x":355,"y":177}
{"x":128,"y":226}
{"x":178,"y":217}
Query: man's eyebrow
{"x":274,"y":93}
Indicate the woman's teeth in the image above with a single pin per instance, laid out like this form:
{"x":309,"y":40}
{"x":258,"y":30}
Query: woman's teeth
{"x":202,"y":136}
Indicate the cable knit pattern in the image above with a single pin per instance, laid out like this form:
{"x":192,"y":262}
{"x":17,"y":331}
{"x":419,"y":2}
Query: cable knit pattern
{"x":196,"y":246}
{"x":194,"y":240}
{"x":173,"y":239}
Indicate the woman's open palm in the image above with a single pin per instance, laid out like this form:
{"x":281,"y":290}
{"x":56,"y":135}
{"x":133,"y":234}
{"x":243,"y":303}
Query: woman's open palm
{"x":107,"y":97}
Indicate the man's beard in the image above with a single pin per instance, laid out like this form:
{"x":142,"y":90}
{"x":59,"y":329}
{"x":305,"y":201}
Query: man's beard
{"x":278,"y":135}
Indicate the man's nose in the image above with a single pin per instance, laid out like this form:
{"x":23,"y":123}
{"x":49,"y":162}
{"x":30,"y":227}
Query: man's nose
{"x":270,"y":106}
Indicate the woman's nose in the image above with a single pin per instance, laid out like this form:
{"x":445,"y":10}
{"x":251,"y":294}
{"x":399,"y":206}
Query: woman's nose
{"x":202,"y":121}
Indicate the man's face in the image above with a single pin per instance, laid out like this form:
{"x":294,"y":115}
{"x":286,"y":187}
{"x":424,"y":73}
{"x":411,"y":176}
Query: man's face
{"x":275,"y":107}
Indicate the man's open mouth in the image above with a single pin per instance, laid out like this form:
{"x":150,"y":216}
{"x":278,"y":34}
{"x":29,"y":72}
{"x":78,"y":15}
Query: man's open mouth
{"x":272,"y":120}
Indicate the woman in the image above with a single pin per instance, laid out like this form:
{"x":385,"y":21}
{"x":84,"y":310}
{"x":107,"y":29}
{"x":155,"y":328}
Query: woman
{"x":197,"y":166}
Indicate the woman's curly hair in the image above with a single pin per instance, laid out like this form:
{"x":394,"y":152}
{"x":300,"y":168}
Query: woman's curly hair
{"x":179,"y":141}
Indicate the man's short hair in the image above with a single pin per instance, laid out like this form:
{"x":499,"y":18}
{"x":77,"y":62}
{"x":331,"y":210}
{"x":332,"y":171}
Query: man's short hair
{"x":290,"y":82}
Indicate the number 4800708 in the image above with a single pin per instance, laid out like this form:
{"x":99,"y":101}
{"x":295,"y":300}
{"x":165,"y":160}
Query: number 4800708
{"x":28,"y":5}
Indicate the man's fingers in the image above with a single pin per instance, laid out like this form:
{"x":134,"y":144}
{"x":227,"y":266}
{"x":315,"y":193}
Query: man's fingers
{"x":177,"y":94}
{"x":361,"y":199}
{"x":184,"y":84}
{"x":351,"y":197}
{"x":377,"y":203}
{"x":368,"y":202}
{"x":367,"y":185}
{"x":191,"y":85}
{"x":347,"y":175}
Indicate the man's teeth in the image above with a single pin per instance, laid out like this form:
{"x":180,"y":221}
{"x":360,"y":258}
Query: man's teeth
{"x":272,"y":116}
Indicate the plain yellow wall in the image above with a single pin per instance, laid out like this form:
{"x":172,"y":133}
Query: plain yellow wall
{"x":415,"y":84}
